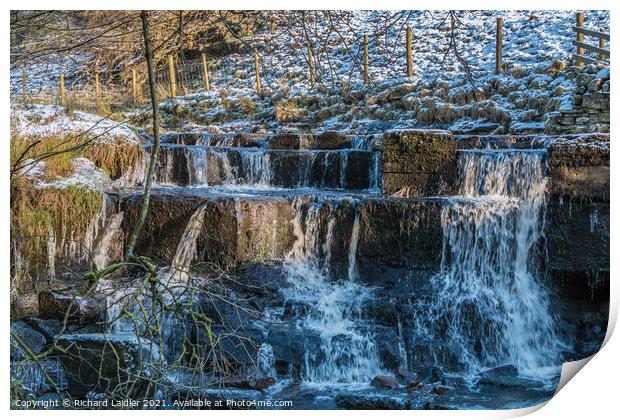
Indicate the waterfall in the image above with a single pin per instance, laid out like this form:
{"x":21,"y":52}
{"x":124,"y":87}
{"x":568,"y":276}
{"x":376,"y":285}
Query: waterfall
{"x":102,"y":250}
{"x":344,"y":161}
{"x":355,"y":234}
{"x":347,"y":353}
{"x":227,"y":174}
{"x":374,"y":181}
{"x":256,"y":167}
{"x":489,"y":299}
{"x":197,"y":165}
{"x":266,"y":361}
{"x":188,"y":245}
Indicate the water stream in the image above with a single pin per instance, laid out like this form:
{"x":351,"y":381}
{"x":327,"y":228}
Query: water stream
{"x":489,"y":299}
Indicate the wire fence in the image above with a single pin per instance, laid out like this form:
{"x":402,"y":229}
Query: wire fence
{"x":187,"y":76}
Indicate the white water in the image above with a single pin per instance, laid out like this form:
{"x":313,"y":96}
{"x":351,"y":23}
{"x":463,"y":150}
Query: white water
{"x":347,"y":353}
{"x":102,"y":249}
{"x":266,"y":361}
{"x":197,"y":161}
{"x":188,"y":246}
{"x":489,"y":298}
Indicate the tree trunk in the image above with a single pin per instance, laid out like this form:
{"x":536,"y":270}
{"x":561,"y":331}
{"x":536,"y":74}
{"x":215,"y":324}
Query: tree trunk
{"x":131,"y":243}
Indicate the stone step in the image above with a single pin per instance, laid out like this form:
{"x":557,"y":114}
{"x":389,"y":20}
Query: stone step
{"x":198,"y":165}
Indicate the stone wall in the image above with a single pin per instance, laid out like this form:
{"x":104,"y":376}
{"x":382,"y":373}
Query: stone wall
{"x":589,"y":110}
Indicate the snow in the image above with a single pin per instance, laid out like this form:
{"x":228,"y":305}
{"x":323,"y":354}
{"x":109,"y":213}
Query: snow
{"x":44,"y":75}
{"x":86,"y":174}
{"x":534,"y":42}
{"x":42,"y":120}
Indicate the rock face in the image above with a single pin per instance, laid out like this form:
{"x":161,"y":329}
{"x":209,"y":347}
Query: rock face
{"x":234,"y":230}
{"x":116,"y":364}
{"x":579,"y":168}
{"x":401,"y":233}
{"x":422,"y":162}
{"x":578,"y":241}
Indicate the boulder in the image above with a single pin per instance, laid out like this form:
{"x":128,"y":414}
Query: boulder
{"x":384,"y":382}
{"x":24,"y":335}
{"x":39,"y":377}
{"x":119,"y":365}
{"x":82,"y":310}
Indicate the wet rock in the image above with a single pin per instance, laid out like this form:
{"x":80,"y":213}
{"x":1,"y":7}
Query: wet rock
{"x":577,"y":235}
{"x":83,"y":310}
{"x":39,"y":377}
{"x":290,"y":345}
{"x":115,"y":364}
{"x":508,"y":377}
{"x":22,"y":335}
{"x":383,"y":400}
{"x":234,"y":230}
{"x":384,"y":382}
{"x":422,"y":161}
{"x":441,"y":389}
{"x":399,"y":232}
{"x":252,"y":382}
{"x":579,"y":168}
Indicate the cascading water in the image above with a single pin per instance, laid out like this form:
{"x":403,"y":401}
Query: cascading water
{"x":347,"y":354}
{"x":256,"y":167}
{"x":489,"y":300}
{"x":188,"y":245}
{"x":197,"y":161}
{"x":102,"y":250}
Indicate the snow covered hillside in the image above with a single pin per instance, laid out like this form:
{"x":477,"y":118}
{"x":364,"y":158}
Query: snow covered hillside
{"x":454,"y":85}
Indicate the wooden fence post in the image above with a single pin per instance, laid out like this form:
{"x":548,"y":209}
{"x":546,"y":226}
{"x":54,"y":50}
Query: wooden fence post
{"x":258,"y":86}
{"x":97,"y":90}
{"x":409,"y":52}
{"x":62,"y":88}
{"x":601,"y":44}
{"x":134,"y":86}
{"x":173,"y":80}
{"x":24,"y":84}
{"x":205,"y":70}
{"x":580,"y":37}
{"x":499,"y":40}
{"x":311,"y":62}
{"x":366,"y":78}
